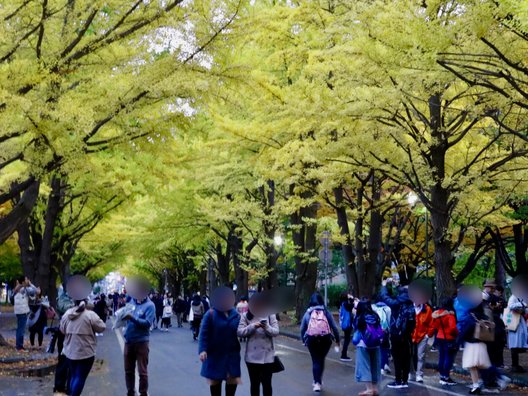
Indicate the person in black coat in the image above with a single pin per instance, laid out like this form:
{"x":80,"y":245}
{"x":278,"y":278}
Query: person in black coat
{"x":158,"y":303}
{"x":38,"y":324}
{"x":100,"y":308}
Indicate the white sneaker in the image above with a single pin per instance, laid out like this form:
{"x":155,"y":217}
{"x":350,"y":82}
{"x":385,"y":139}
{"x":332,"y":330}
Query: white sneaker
{"x":419,"y":379}
{"x":317,"y":387}
{"x":387,"y":369}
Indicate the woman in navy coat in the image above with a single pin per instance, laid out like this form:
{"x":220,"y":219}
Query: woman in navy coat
{"x":218,"y":344}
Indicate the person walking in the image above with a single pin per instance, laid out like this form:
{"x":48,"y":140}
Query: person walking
{"x":318,"y":330}
{"x":346,"y":322}
{"x":475,"y":356}
{"x":218,"y":346}
{"x":403,"y":321}
{"x":259,"y":328}
{"x":492,"y":377}
{"x":21,"y":298}
{"x":445,"y":325}
{"x":61,"y":383}
{"x":79,"y":326}
{"x":179,"y":309}
{"x":197,"y":311}
{"x":137,"y":336}
{"x":101,"y":309}
{"x":158,"y":304}
{"x":368,"y":338}
{"x":421,"y":334}
{"x":167,"y":314}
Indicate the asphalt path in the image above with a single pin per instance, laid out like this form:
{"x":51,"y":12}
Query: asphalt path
{"x":174,"y":369}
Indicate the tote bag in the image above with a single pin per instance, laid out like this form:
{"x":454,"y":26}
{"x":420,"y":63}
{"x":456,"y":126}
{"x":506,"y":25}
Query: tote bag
{"x":511,"y":319}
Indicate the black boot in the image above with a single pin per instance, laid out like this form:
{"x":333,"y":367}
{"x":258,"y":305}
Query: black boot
{"x":216,"y":390}
{"x":230,"y":389}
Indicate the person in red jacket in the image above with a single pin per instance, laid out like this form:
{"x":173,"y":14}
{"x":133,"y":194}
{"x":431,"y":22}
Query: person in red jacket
{"x":444,"y":323}
{"x":421,"y":333}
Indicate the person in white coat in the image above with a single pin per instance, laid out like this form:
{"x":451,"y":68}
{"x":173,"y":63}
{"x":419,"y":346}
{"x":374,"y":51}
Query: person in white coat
{"x":259,"y":328}
{"x":518,"y":339}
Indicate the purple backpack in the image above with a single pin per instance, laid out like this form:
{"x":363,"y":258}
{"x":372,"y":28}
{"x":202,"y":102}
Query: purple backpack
{"x":373,"y":335}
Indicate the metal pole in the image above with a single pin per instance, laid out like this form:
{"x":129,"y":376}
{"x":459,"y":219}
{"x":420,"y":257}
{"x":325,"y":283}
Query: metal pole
{"x":426,"y":242}
{"x":326,"y":240}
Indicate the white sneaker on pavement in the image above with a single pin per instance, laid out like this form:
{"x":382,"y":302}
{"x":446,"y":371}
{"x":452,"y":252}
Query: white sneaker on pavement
{"x":317,"y":387}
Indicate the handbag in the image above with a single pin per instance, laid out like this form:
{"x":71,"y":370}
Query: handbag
{"x":484,"y":330}
{"x":511,"y":319}
{"x":277,"y":366}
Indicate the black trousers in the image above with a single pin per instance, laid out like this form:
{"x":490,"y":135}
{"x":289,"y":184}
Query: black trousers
{"x":62,"y":369}
{"x":260,"y":374}
{"x":401,"y":354}
{"x":346,"y":342}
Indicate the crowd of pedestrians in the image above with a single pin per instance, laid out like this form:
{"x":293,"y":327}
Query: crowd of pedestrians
{"x":399,"y":325}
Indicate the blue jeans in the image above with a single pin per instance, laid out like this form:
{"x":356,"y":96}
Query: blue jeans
{"x":319,"y":347}
{"x":79,"y":370}
{"x":20,"y":330}
{"x":447,"y":351}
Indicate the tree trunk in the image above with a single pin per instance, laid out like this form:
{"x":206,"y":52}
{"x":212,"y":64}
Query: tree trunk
{"x":28,"y":255}
{"x":373,"y":272}
{"x":21,"y":211}
{"x":347,"y":246}
{"x":520,"y":237}
{"x":304,"y":235}
{"x":268,"y":202}
{"x":241,"y":277}
{"x":52,"y":213}
{"x":440,"y":203}
{"x":222,"y":261}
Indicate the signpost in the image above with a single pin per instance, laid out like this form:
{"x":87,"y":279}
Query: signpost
{"x":325,"y":255}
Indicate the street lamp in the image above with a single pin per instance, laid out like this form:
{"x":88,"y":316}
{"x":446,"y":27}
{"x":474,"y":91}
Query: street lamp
{"x":412,"y":198}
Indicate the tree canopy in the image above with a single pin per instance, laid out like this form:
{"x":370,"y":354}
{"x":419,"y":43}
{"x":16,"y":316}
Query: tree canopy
{"x":187,"y":136}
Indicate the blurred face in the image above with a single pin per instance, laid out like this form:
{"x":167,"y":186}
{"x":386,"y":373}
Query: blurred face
{"x":419,"y":292}
{"x":489,"y":289}
{"x":223,"y":300}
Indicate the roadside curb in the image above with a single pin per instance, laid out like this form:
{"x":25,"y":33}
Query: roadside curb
{"x":290,"y":334}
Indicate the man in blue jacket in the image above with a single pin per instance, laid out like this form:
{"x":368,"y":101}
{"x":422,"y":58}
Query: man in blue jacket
{"x":137,"y":334}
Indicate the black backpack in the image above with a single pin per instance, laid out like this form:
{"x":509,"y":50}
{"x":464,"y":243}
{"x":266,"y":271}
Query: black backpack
{"x":405,"y":321}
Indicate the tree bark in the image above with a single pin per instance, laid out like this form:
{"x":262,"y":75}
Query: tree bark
{"x":347,"y":247}
{"x":520,"y":237}
{"x":373,"y":271}
{"x":53,"y":210}
{"x":440,"y":203}
{"x":267,"y":197}
{"x":304,"y":235}
{"x":21,"y":211}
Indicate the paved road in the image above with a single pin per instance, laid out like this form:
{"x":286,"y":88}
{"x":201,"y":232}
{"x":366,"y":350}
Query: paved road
{"x":174,"y":371}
